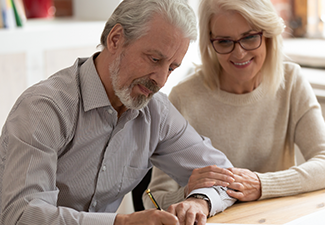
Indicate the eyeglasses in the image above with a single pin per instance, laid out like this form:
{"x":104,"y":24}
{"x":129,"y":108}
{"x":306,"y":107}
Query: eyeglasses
{"x":248,"y":43}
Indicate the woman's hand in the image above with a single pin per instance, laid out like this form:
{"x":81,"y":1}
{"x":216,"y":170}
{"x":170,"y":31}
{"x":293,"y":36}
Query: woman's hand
{"x":246,"y":187}
{"x":207,"y":177}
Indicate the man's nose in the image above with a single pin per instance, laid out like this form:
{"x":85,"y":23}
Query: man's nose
{"x":160,"y":77}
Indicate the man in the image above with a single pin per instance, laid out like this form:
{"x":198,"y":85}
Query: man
{"x":76,"y":143}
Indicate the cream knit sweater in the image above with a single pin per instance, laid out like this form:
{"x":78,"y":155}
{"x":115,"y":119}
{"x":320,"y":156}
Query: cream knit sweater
{"x":256,"y":131}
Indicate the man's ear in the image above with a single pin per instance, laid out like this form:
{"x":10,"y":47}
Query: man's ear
{"x":115,"y":38}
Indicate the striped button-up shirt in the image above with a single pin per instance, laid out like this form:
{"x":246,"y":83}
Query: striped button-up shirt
{"x":66,"y":158}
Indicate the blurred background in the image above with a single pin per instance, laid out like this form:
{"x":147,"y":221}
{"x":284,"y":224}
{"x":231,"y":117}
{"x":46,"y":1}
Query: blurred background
{"x":40,"y":37}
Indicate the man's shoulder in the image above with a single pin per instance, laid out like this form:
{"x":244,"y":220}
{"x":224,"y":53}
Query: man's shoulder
{"x":61,"y":88}
{"x":158,"y":107}
{"x":159,"y":101}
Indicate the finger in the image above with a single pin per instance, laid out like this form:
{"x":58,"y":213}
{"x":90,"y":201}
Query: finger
{"x":207,"y":182}
{"x":227,"y":172}
{"x":210,"y":179}
{"x":172,"y":209}
{"x":190,"y":218}
{"x":179,"y":211}
{"x":234,"y":170}
{"x":244,"y":196}
{"x":167,"y":218}
{"x":211,"y":175}
{"x":156,"y":216}
{"x":214,"y":182}
{"x":213,"y":168}
{"x":237,"y":186}
{"x":202,"y":184}
{"x":201,"y":219}
{"x":236,"y":194}
{"x":238,"y":171}
{"x":222,"y":183}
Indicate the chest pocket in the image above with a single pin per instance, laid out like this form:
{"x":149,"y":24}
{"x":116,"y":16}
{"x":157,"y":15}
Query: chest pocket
{"x":130,"y":178}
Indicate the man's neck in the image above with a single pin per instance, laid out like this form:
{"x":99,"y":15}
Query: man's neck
{"x":103,"y":72}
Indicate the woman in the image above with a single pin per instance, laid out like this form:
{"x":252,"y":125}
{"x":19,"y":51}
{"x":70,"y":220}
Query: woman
{"x":252,"y":105}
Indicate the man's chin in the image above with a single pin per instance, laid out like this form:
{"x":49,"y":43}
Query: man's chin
{"x":138,"y":103}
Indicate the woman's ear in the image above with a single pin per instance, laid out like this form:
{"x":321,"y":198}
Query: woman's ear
{"x":115,"y":38}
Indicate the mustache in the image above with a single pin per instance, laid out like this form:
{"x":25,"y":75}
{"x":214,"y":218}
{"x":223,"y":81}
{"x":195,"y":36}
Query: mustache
{"x":148,"y":83}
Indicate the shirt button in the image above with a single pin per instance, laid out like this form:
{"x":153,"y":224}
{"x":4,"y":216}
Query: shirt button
{"x":110,"y":111}
{"x":94,"y":204}
{"x":104,"y":168}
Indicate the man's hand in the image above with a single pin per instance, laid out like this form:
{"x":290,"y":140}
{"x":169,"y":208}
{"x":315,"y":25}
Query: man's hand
{"x":246,"y":187}
{"x":190,"y":211}
{"x":148,"y":217}
{"x":207,"y":177}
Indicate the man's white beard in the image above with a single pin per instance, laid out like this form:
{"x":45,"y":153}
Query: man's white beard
{"x":124,"y":93}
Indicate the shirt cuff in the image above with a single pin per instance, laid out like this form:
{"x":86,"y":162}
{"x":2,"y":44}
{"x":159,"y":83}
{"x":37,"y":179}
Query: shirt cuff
{"x":99,"y":218}
{"x":218,"y":196}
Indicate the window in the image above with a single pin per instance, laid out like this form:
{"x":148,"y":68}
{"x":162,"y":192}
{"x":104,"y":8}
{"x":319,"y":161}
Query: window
{"x":316,"y":18}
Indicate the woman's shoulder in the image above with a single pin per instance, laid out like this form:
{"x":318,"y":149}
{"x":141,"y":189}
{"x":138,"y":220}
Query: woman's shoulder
{"x":291,"y":67}
{"x":293,"y":73}
{"x":295,"y":79}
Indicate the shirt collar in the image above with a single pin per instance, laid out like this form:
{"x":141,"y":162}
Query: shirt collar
{"x":93,"y":92}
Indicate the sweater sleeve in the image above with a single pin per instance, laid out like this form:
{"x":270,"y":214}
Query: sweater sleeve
{"x":307,"y":129}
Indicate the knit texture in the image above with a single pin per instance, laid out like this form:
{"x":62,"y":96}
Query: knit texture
{"x":258,"y":131}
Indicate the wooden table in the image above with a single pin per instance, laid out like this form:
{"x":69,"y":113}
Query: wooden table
{"x":272,"y":211}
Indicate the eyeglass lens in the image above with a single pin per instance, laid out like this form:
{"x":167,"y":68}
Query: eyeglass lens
{"x":249,"y":42}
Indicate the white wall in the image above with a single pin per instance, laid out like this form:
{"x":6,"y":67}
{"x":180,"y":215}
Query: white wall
{"x":94,"y":9}
{"x":39,"y":49}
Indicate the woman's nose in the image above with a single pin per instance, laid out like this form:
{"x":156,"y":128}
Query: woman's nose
{"x":239,"y":51}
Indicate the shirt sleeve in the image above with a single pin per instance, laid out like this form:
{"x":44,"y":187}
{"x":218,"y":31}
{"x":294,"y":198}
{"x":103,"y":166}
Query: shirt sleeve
{"x":182,"y":149}
{"x":170,"y":193}
{"x":218,"y":196}
{"x":31,"y":137}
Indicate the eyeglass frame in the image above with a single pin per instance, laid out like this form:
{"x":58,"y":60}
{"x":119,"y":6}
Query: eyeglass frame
{"x":238,"y":41}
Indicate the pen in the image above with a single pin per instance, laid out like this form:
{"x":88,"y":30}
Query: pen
{"x":152,"y":199}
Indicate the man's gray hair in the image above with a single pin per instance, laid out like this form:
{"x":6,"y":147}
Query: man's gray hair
{"x":134,"y":16}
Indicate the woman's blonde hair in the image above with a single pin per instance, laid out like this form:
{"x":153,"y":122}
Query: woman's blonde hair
{"x":261,"y":15}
